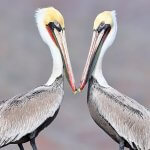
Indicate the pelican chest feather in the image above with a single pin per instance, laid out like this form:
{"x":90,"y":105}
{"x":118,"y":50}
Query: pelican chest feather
{"x":25,"y":113}
{"x":120,"y":116}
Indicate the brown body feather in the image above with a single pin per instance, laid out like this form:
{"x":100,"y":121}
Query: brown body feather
{"x":26,"y":115}
{"x":121,"y":117}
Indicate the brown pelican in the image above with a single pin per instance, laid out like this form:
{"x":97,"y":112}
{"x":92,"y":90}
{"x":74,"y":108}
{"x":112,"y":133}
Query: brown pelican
{"x":24,"y":116}
{"x":122,"y":118}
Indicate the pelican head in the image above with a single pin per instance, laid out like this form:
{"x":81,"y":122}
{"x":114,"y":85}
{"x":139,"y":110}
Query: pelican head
{"x":104,"y":32}
{"x":102,"y":19}
{"x":51,"y":26}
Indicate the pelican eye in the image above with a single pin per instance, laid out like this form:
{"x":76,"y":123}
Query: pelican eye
{"x":101,"y":26}
{"x":55,"y":25}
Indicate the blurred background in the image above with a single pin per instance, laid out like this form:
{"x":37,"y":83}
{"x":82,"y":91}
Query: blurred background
{"x":25,"y":63}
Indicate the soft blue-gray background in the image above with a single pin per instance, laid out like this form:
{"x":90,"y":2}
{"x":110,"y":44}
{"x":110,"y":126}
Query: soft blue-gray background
{"x":25,"y":63}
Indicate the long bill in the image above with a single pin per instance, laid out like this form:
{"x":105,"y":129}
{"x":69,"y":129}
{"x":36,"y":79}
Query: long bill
{"x":97,"y":42}
{"x":61,"y":39}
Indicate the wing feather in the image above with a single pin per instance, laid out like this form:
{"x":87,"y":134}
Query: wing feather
{"x":130,"y":119}
{"x":26,"y":112}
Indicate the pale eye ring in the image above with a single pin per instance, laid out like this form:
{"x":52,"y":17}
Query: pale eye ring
{"x":56,"y":24}
{"x":102,"y":24}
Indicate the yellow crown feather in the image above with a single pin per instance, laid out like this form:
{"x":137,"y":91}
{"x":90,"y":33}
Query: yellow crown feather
{"x":51,"y":14}
{"x":105,"y":17}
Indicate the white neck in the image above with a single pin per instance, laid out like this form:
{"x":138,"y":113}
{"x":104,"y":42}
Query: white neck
{"x":57,"y":59}
{"x":97,"y":73}
{"x":57,"y":64}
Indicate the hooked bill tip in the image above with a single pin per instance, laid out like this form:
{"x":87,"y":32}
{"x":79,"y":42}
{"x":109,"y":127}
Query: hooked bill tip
{"x":79,"y":90}
{"x":75,"y":92}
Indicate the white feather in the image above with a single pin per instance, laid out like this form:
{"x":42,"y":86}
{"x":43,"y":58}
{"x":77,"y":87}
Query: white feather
{"x":57,"y":60}
{"x":97,"y":73}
